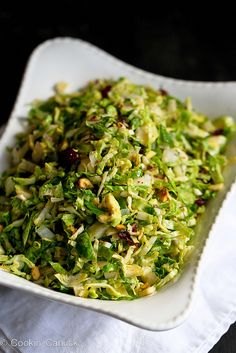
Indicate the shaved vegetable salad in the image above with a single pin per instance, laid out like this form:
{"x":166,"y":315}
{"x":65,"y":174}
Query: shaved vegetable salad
{"x":105,"y":187}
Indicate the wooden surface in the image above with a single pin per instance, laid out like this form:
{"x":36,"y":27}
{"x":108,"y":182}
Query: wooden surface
{"x":181,"y":43}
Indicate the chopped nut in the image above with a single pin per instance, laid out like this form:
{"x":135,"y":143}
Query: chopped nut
{"x":120,"y":227}
{"x":119,"y":124}
{"x":144,"y":285}
{"x":163,"y":195}
{"x":113,"y":214}
{"x":60,"y":87}
{"x":147,"y":291}
{"x":35,"y":273}
{"x":96,"y":201}
{"x":150,"y":154}
{"x":84,"y":183}
{"x":38,"y":152}
{"x":59,"y":253}
{"x":72,"y":229}
{"x":64,"y":145}
{"x":133,"y":270}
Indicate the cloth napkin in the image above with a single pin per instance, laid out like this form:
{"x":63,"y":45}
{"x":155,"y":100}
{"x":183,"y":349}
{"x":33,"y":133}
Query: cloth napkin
{"x":32,"y":324}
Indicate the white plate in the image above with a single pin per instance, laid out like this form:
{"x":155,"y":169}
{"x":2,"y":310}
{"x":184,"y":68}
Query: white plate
{"x":76,"y":62}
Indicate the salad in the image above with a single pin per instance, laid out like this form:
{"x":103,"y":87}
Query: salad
{"x":105,"y":187}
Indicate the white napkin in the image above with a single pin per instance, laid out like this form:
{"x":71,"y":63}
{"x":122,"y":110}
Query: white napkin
{"x":33,"y":324}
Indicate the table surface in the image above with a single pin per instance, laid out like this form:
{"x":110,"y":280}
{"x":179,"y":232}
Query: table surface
{"x":193,"y":45}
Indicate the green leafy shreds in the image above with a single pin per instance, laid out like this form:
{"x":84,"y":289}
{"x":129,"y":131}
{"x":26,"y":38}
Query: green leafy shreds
{"x":84,"y":246}
{"x":105,"y":187}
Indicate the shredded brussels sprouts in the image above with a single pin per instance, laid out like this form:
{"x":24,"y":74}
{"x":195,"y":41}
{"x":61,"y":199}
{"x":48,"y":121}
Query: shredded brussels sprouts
{"x":105,"y":187}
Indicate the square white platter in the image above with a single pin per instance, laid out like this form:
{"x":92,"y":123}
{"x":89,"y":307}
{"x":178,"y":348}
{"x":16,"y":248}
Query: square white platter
{"x":77,"y":62}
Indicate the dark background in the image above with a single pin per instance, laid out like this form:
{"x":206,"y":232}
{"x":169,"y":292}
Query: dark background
{"x":187,"y":42}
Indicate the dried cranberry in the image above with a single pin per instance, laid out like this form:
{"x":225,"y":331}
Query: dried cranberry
{"x":105,"y":91}
{"x":92,"y":118}
{"x":200,"y":202}
{"x":218,"y":132}
{"x":163,"y":92}
{"x":203,"y":171}
{"x":134,"y":228}
{"x":142,"y":150}
{"x":126,"y":236}
{"x":69,"y":156}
